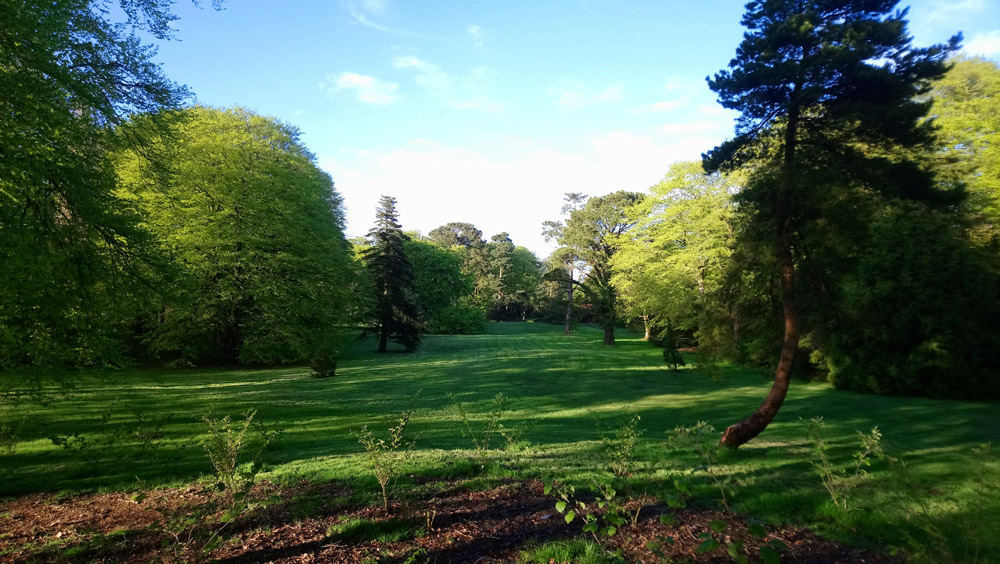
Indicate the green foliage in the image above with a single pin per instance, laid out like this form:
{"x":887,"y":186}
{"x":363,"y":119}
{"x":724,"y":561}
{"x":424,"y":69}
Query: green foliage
{"x":387,"y":455}
{"x":703,"y":439}
{"x":619,"y":443}
{"x":255,"y":230}
{"x":965,"y":109}
{"x":839,"y":482}
{"x":76,"y":262}
{"x":575,"y":551}
{"x":491,"y":427}
{"x":227,"y":443}
{"x":591,"y":236}
{"x":443,"y":290}
{"x":395,"y":311}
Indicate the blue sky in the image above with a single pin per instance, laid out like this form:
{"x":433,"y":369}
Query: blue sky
{"x":487,"y":112}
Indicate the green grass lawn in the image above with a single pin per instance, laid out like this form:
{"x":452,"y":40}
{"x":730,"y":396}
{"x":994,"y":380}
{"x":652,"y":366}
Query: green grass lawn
{"x":560,"y":387}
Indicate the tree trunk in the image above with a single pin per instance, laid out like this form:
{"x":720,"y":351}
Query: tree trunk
{"x":569,"y":304}
{"x":609,"y":335}
{"x":383,"y":337}
{"x":742,"y":432}
{"x":645,"y":326}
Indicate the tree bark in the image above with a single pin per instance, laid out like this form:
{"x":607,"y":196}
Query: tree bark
{"x":609,"y":335}
{"x":645,"y":326}
{"x":569,"y":304}
{"x":744,"y":431}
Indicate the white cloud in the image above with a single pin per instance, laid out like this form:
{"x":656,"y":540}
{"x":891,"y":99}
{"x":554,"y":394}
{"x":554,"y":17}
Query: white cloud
{"x":983,"y":44}
{"x":462,"y":92}
{"x":573,"y":94}
{"x":375,"y":7}
{"x":478,"y":37}
{"x":508,"y":186}
{"x":367,"y":89}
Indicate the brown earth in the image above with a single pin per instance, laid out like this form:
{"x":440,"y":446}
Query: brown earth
{"x":474,"y":527}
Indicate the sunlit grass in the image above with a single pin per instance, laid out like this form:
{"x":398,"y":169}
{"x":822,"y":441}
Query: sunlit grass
{"x":559,"y":386}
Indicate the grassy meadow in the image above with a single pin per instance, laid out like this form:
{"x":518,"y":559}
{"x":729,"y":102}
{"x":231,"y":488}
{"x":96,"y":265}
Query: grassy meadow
{"x":141,"y":429}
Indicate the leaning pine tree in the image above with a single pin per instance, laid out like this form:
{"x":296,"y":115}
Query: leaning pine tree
{"x":396,"y":314}
{"x":828,"y":94}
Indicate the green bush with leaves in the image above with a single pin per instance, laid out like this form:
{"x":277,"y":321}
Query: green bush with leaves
{"x":703,"y":439}
{"x":839,"y":481}
{"x":619,"y":443}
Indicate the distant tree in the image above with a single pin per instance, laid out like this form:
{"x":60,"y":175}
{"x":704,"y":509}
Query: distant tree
{"x":457,"y":234}
{"x":593,"y":234}
{"x":821,"y":86}
{"x":442,"y":289}
{"x":564,"y":263}
{"x":396,"y":314}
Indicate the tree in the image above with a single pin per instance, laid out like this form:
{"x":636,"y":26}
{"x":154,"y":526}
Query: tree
{"x":593,"y":234}
{"x":565,"y":261}
{"x":396,"y":313}
{"x":967,"y":111}
{"x":442,"y":290}
{"x":71,"y":250}
{"x":822,"y":85}
{"x":255,"y":231}
{"x":671,"y":265}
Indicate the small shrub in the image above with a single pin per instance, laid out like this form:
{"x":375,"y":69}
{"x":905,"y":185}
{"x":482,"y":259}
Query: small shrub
{"x":619,"y":443}
{"x":486,"y":437}
{"x":387,"y":455}
{"x":227,"y":443}
{"x":323,"y":366}
{"x":703,"y":439}
{"x":838,"y":482}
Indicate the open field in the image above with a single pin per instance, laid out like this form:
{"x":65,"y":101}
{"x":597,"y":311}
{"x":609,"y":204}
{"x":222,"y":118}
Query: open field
{"x":144,"y":428}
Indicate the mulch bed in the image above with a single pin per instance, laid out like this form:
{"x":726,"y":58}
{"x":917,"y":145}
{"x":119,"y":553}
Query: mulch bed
{"x":474,"y":527}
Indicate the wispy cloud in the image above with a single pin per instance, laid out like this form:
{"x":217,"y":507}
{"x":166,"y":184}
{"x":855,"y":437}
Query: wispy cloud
{"x":983,"y":44}
{"x":573,"y":94}
{"x":478,"y":37}
{"x":369,"y":12}
{"x":463,"y":92}
{"x":367,"y":89}
{"x":943,"y":12}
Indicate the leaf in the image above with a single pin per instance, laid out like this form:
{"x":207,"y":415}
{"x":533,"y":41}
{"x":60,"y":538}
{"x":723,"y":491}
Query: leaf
{"x":610,"y":531}
{"x":570,"y":516}
{"x":756,"y":530}
{"x":548,"y":489}
{"x":718,"y":526}
{"x":139,"y":497}
{"x":769,"y":556}
{"x":708,"y":546}
{"x":668,"y":519}
{"x":560,"y":506}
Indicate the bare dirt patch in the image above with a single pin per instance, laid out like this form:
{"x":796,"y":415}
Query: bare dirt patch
{"x":455,"y":525}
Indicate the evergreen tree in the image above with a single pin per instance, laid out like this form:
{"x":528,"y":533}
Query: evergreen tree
{"x":396,"y":314}
{"x":822,"y":85}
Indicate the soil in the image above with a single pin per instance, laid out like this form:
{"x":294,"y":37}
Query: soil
{"x":455,"y":525}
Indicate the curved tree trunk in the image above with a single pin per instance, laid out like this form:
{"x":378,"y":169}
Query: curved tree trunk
{"x":739,"y":433}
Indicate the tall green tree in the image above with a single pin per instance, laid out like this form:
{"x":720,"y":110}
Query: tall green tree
{"x":396,"y":314}
{"x":967,"y":112}
{"x":564,"y":263}
{"x":593,"y":233}
{"x":70,"y":250}
{"x":670,"y":268}
{"x":822,"y":85}
{"x":255,"y":230}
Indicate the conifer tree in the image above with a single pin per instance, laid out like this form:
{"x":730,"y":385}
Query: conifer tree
{"x":396,"y":314}
{"x":822,"y":86}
